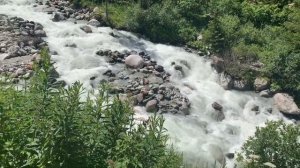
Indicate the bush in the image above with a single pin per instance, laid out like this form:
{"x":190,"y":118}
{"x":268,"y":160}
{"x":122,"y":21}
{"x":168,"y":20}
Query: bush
{"x":45,"y":127}
{"x":277,"y":143}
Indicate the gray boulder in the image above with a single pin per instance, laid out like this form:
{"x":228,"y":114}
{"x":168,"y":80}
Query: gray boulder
{"x":217,"y":106}
{"x":285,"y":104}
{"x":40,"y":33}
{"x":86,"y":29}
{"x":58,"y":17}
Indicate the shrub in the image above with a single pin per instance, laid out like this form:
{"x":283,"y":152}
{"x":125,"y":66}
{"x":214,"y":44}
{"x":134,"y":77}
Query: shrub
{"x":45,"y":127}
{"x":277,"y":143}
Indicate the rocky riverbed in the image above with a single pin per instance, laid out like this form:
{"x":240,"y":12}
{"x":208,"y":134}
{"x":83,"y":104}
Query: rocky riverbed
{"x":143,"y":81}
{"x":20,"y":44}
{"x":135,"y":76}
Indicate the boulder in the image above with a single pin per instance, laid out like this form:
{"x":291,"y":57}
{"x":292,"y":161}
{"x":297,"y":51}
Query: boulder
{"x":134,"y":61}
{"x":218,"y":64}
{"x":285,"y":104}
{"x":159,"y":68}
{"x":217,"y":106}
{"x":86,"y":29}
{"x":261,"y":83}
{"x":58,"y":17}
{"x":151,"y":106}
{"x":40,"y":33}
{"x":94,"y":22}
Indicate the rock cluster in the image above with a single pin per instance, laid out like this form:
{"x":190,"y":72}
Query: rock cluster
{"x":144,"y":81}
{"x":20,"y":43}
{"x":63,"y":9}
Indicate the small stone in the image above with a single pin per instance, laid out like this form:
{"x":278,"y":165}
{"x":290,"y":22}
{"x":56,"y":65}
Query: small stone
{"x":86,"y":29}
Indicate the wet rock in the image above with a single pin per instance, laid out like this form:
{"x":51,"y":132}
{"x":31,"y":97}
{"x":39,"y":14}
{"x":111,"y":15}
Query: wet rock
{"x":151,"y":106}
{"x":178,"y":68}
{"x":229,"y":155}
{"x":94,"y":22}
{"x":255,"y":108}
{"x":159,"y":68}
{"x":217,"y":106}
{"x":38,"y":26}
{"x":265,"y":93}
{"x":134,"y":61}
{"x":58,"y":17}
{"x":285,"y":104}
{"x":40,"y":33}
{"x":184,"y":108}
{"x":261,"y":83}
{"x":86,"y":29}
{"x":73,"y":45}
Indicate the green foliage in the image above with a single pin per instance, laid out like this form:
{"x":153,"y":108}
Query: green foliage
{"x":45,"y":127}
{"x":277,"y":143}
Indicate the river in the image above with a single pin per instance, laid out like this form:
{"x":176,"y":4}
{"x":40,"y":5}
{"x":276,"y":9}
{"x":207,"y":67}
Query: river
{"x":199,"y":136}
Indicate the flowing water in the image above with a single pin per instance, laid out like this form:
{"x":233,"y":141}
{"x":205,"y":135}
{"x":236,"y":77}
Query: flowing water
{"x":199,"y":136}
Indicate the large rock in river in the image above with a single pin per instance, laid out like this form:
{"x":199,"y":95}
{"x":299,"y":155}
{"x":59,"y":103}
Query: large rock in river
{"x":134,"y":61}
{"x":285,"y":104}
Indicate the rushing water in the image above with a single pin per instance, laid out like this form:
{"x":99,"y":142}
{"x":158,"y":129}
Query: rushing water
{"x":199,"y":136}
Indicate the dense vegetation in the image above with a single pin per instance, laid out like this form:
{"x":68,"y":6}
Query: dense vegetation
{"x":277,"y":144}
{"x":245,"y":33}
{"x":45,"y":127}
